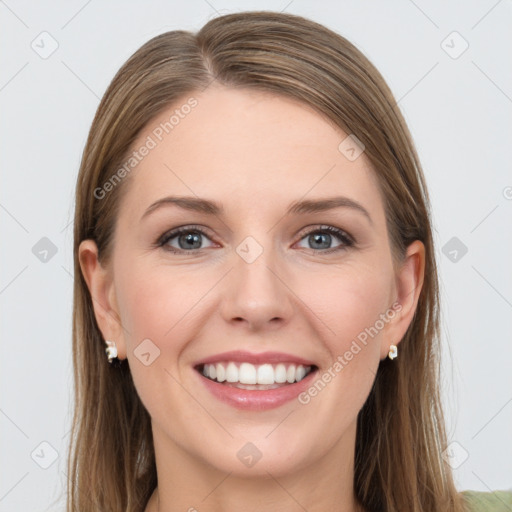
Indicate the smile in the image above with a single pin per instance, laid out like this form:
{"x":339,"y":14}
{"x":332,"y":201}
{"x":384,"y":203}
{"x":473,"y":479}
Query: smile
{"x":249,"y":376}
{"x":255,"y":382}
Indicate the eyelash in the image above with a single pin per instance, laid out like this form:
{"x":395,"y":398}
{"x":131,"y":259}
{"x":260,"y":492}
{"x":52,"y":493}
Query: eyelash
{"x":346,"y":240}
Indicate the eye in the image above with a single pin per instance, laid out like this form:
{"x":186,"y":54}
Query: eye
{"x":321,"y":239}
{"x":188,"y":239}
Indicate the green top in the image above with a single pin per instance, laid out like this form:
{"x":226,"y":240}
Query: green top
{"x":496,"y":501}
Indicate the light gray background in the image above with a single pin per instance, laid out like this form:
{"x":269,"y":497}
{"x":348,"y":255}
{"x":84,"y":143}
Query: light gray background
{"x":458,"y":110}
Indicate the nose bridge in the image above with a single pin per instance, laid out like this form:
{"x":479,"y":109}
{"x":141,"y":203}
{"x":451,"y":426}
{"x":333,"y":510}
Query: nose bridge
{"x":255,"y":292}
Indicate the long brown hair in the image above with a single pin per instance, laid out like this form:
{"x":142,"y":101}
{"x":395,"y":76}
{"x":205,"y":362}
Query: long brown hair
{"x":400,"y":431}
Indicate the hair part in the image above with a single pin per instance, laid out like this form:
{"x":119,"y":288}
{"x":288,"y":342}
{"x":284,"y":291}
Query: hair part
{"x":400,"y":429}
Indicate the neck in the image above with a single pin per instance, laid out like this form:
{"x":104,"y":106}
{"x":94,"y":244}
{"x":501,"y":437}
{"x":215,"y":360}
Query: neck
{"x":188,"y":484}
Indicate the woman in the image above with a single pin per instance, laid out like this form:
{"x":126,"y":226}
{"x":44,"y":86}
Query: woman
{"x":247,"y":367}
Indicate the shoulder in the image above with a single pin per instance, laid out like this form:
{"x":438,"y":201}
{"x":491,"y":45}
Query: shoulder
{"x":495,"y":501}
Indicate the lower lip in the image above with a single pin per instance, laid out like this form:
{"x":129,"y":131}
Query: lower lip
{"x":254,"y":399}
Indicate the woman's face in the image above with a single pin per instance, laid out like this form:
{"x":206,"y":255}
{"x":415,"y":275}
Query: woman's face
{"x":259,"y":280}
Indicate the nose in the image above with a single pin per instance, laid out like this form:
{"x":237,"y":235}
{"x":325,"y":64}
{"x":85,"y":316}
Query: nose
{"x":256,"y":293}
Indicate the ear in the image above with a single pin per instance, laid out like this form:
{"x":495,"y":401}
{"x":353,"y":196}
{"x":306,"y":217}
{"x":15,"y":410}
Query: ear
{"x":101,"y":287}
{"x":409,"y":282}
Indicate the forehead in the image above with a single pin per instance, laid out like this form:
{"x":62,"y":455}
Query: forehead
{"x":245,"y":149}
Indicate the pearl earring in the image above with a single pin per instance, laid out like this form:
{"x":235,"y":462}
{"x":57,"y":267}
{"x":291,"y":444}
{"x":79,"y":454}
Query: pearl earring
{"x":111,"y":350}
{"x":393,"y":352}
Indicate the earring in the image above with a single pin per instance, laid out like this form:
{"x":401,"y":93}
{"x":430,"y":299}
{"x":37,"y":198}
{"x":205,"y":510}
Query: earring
{"x":111,"y":350}
{"x":393,"y":352}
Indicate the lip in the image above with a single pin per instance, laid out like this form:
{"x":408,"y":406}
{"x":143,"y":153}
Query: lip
{"x":241,"y":356}
{"x":256,"y":400}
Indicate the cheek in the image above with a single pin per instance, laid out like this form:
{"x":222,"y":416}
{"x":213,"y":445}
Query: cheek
{"x":349,"y":302}
{"x":154,"y":310}
{"x":154,"y":302}
{"x":146,"y":312}
{"x":163,"y":305}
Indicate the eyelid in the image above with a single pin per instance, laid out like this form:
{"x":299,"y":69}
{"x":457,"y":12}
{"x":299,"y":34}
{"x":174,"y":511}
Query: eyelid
{"x":333,"y":230}
{"x":171,"y":233}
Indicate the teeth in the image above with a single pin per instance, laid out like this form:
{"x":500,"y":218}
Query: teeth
{"x":280,"y":373}
{"x":290,"y":374}
{"x":265,"y":374}
{"x":231,"y":373}
{"x":221,"y":373}
{"x":247,"y":373}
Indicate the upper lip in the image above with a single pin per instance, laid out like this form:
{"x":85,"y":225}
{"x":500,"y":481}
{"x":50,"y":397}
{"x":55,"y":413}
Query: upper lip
{"x":242,"y":356}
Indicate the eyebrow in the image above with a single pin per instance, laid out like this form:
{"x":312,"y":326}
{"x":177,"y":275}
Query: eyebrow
{"x":208,"y":207}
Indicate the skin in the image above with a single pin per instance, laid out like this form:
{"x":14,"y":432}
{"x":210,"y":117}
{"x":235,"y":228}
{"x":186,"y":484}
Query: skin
{"x":255,"y":153}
